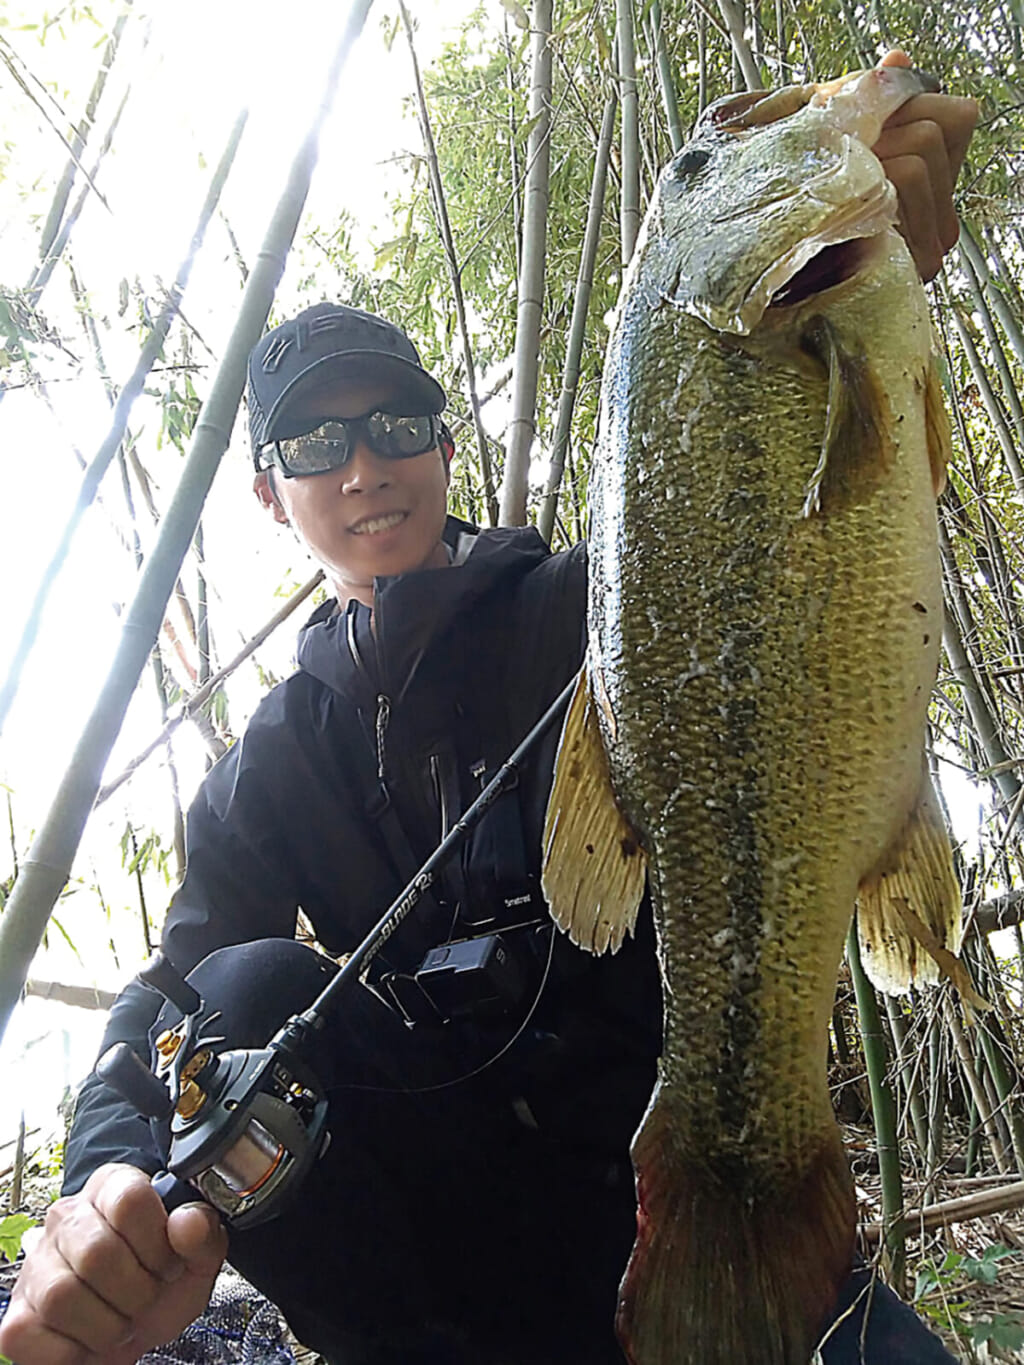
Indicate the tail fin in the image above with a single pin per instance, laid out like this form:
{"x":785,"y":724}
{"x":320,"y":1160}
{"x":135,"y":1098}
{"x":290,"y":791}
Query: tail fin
{"x":726,"y":1273}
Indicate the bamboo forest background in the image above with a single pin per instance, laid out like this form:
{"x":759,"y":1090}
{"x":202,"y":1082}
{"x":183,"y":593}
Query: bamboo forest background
{"x":533,"y":139}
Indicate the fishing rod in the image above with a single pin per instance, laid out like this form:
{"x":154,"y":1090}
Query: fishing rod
{"x":246,"y":1124}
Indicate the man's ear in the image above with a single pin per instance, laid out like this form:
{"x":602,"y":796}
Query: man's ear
{"x":263,"y":487}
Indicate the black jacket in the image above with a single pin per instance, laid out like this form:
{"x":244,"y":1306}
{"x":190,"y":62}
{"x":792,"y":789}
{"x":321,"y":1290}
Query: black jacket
{"x":348,"y":776}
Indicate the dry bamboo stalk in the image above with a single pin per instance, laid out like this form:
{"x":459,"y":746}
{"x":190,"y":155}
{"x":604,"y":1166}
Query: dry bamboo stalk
{"x":82,"y":997}
{"x":968,"y":1206}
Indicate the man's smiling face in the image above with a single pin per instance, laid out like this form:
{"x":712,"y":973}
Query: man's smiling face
{"x":372,"y":517}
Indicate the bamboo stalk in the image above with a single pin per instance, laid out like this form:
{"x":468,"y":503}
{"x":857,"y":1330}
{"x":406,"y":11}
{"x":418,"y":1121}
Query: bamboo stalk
{"x":977,"y":1090}
{"x":48,"y":866}
{"x":1007,"y":279}
{"x":149,"y":353}
{"x":665,"y":81}
{"x":702,"y":59}
{"x":781,"y":42}
{"x":982,"y":716}
{"x":513,"y":141}
{"x":732,"y":15}
{"x":83,"y":997}
{"x":578,"y":324}
{"x":44,"y":270}
{"x":938,"y":1069}
{"x":998,"y":1052}
{"x":961,"y":1210}
{"x":993,"y":406}
{"x":981,"y":298}
{"x":444,"y":228}
{"x":629,"y":209}
{"x":529,"y":308}
{"x":62,"y":193}
{"x":883,"y":1110}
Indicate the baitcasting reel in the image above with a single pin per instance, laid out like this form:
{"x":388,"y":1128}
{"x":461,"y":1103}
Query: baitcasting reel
{"x":245,"y":1125}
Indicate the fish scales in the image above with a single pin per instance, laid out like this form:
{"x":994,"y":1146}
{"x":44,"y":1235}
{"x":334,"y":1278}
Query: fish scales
{"x":765,"y":627}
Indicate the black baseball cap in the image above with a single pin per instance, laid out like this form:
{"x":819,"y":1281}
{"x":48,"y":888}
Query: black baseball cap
{"x":331,"y":339}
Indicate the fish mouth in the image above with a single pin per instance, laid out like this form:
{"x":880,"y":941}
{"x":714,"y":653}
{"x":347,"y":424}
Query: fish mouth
{"x":832,"y":266}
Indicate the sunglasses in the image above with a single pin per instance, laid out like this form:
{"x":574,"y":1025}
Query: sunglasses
{"x":330,"y":445}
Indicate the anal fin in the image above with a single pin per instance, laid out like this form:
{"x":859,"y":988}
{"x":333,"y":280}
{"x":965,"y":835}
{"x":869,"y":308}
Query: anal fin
{"x":910,"y":905}
{"x":594,"y":869}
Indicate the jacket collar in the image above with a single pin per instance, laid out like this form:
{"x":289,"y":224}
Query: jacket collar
{"x":411,"y":610}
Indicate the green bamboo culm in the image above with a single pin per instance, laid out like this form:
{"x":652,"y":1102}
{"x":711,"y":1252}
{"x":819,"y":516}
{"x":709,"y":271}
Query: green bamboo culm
{"x":578,"y":324}
{"x":149,"y":353}
{"x":665,"y":81}
{"x":884,"y":1110}
{"x":48,"y":866}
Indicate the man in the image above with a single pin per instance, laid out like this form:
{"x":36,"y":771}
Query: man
{"x":475,"y":1204}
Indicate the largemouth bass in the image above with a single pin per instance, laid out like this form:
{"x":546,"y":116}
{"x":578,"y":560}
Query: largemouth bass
{"x":765,"y":616}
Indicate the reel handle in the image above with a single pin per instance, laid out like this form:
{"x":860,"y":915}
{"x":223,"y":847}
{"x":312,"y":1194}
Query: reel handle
{"x":160,"y":974}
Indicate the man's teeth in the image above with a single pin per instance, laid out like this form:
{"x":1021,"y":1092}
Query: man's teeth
{"x":367,"y":528}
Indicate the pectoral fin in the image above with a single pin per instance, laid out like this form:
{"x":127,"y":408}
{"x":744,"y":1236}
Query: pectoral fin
{"x":855,"y":449}
{"x":908,"y":909}
{"x":594,"y":868}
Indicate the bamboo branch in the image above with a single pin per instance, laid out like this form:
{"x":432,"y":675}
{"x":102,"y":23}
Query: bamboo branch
{"x":67,"y":180}
{"x":12,"y":60}
{"x":41,"y":275}
{"x":200,"y":698}
{"x":908,"y":1065}
{"x":48,"y":866}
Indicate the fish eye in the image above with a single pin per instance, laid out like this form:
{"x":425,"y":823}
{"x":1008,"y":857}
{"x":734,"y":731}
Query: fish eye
{"x":690,"y":162}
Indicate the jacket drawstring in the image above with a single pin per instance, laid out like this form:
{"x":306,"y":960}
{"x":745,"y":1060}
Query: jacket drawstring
{"x":383,"y":716}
